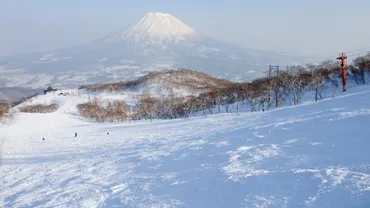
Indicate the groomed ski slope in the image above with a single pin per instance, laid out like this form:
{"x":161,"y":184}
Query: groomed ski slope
{"x":312,"y":155}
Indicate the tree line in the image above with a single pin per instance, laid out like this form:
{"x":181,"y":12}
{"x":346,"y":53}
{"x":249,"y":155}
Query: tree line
{"x":287,"y":88}
{"x":261,"y":94}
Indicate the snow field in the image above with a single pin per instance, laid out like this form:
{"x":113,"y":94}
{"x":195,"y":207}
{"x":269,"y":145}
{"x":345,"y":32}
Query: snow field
{"x":312,"y":155}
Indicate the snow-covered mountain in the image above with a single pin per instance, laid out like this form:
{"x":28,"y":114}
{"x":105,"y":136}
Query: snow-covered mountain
{"x":154,"y":28}
{"x":157,"y":41}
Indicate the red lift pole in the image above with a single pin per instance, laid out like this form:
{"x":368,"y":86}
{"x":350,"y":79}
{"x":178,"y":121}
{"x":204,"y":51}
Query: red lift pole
{"x":214,"y":93}
{"x":342,"y":59}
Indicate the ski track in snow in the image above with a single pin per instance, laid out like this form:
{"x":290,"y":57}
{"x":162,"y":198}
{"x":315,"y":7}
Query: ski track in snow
{"x":313,"y":155}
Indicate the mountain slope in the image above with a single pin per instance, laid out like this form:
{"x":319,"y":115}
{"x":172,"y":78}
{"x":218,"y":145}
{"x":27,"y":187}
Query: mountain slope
{"x":182,"y":82}
{"x":158,"y":41}
{"x":313,"y":155}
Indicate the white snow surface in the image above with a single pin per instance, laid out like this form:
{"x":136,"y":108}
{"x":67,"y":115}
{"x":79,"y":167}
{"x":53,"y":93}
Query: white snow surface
{"x":154,"y":27}
{"x":311,"y":155}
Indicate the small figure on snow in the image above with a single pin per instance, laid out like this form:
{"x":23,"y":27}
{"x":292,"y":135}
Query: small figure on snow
{"x":75,"y":134}
{"x":43,"y":138}
{"x":108,"y":132}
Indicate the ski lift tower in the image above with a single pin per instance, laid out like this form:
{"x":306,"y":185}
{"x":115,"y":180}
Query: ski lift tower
{"x":342,"y":57}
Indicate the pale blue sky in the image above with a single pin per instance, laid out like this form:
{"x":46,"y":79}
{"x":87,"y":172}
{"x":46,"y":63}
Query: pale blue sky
{"x":304,"y":26}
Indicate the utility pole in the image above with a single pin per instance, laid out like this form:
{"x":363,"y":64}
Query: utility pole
{"x":214,"y":94}
{"x":270,"y":86}
{"x":277,"y":86}
{"x":342,"y":57}
{"x":276,"y":68}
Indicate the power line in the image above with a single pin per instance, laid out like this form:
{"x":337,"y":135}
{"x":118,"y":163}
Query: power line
{"x":363,"y":52}
{"x":350,"y":52}
{"x":342,"y":57}
{"x":360,"y":49}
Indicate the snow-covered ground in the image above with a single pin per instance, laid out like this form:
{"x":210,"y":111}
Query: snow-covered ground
{"x":311,"y":155}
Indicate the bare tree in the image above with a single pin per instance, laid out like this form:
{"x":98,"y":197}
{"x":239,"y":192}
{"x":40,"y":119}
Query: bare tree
{"x":236,"y":96}
{"x":319,"y":76}
{"x":169,"y":104}
{"x":148,"y":106}
{"x":116,"y":111}
{"x":2,"y":110}
{"x":295,"y":80}
{"x":252,"y":103}
{"x":207,"y":102}
{"x":362,"y":64}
